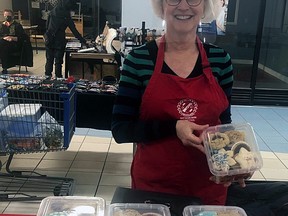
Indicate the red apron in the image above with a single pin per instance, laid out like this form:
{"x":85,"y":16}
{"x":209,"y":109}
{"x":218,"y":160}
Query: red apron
{"x":167,"y":165}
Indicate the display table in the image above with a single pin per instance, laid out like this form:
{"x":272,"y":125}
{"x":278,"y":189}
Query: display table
{"x":261,"y":198}
{"x":92,"y":58}
{"x":94,"y":110}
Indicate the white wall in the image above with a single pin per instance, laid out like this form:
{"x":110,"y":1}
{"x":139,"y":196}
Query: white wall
{"x":5,"y":4}
{"x":134,"y":12}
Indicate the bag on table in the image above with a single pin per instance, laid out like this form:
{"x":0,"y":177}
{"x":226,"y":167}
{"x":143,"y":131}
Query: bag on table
{"x":260,"y":198}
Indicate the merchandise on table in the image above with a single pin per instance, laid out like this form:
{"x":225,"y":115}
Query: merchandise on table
{"x":232,"y":149}
{"x":109,"y":86}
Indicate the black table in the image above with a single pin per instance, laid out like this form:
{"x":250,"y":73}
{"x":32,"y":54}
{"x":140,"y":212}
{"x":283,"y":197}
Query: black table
{"x":94,"y":110}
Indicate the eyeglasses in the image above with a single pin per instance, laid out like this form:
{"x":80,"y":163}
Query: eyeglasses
{"x":192,"y":3}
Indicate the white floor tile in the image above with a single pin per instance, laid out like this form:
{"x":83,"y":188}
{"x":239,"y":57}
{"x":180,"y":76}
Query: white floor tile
{"x":275,"y":174}
{"x":119,"y":157}
{"x":85,"y":190}
{"x":30,"y":155}
{"x":273,"y":164}
{"x":56,"y":165}
{"x":60,"y":155}
{"x":22,"y":208}
{"x":24,"y":163}
{"x":102,"y":140}
{"x":94,"y":147}
{"x":91,"y":156}
{"x":77,"y":139}
{"x":115,"y":180}
{"x":257,"y":176}
{"x":121,"y":148}
{"x":84,"y":178}
{"x":282,"y":156}
{"x":117,"y":168}
{"x":87,"y":166}
{"x":106,"y":192}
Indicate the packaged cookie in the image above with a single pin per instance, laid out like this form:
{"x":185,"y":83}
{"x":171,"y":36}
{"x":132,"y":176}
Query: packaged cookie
{"x":72,"y":206}
{"x":138,"y":209}
{"x":232,"y":149}
{"x":210,"y":210}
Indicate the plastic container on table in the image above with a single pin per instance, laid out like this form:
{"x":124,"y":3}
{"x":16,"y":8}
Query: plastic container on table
{"x":138,"y":209}
{"x":232,"y":149}
{"x":210,"y":210}
{"x":72,"y":206}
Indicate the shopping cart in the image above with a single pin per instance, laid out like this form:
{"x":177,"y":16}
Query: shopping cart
{"x":35,"y":118}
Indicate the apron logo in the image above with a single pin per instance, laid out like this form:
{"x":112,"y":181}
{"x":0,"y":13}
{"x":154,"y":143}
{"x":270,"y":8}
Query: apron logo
{"x":187,"y":109}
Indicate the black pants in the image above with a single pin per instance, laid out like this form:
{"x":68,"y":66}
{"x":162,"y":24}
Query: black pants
{"x":6,"y":49}
{"x":54,"y":55}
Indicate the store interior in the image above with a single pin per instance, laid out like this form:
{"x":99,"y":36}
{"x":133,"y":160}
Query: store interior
{"x":94,"y":162}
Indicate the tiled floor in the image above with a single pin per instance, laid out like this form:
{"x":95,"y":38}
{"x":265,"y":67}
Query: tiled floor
{"x":99,"y":165}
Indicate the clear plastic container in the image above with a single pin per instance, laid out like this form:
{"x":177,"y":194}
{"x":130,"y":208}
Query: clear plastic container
{"x":72,"y":206}
{"x":138,"y":209}
{"x":210,"y":210}
{"x":232,"y":149}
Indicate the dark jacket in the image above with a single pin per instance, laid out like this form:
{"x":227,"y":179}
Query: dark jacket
{"x":15,"y":29}
{"x":58,"y":20}
{"x":24,"y":53}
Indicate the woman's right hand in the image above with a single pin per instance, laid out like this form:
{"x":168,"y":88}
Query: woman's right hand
{"x":184,"y":131}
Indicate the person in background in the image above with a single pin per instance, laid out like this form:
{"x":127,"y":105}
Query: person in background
{"x":170,"y":90}
{"x":55,"y":42}
{"x":11,"y":34}
{"x":220,"y":13}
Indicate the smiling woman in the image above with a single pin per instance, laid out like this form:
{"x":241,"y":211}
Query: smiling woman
{"x":167,"y":96}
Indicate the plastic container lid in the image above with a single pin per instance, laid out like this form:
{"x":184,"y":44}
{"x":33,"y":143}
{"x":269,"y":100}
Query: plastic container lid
{"x":232,"y":149}
{"x":72,"y":206}
{"x":138,"y":209}
{"x":210,"y":210}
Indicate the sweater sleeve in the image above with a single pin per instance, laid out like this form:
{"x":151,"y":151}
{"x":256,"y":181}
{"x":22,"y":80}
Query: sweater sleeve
{"x":126,"y":125}
{"x":222,"y":68}
{"x":75,"y":32}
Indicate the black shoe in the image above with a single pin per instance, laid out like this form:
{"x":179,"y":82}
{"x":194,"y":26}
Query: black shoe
{"x":4,"y":71}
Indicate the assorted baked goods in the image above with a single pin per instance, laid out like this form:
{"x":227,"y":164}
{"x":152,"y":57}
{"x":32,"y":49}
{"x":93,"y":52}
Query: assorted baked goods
{"x":133,"y":212}
{"x":96,"y":206}
{"x":210,"y":210}
{"x":138,"y":209}
{"x":231,"y":149}
{"x":219,"y":213}
{"x":72,"y":206}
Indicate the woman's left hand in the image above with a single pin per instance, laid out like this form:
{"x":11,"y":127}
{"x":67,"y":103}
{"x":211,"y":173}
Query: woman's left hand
{"x":227,"y":180}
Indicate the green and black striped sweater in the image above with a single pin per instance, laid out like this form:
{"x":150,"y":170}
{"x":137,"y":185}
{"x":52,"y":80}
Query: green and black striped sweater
{"x":137,"y":69}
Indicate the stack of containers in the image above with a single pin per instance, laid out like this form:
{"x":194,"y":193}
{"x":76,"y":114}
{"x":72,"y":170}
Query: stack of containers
{"x":95,"y":206}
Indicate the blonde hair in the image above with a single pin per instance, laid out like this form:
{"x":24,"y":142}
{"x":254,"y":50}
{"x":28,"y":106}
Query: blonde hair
{"x":208,"y":15}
